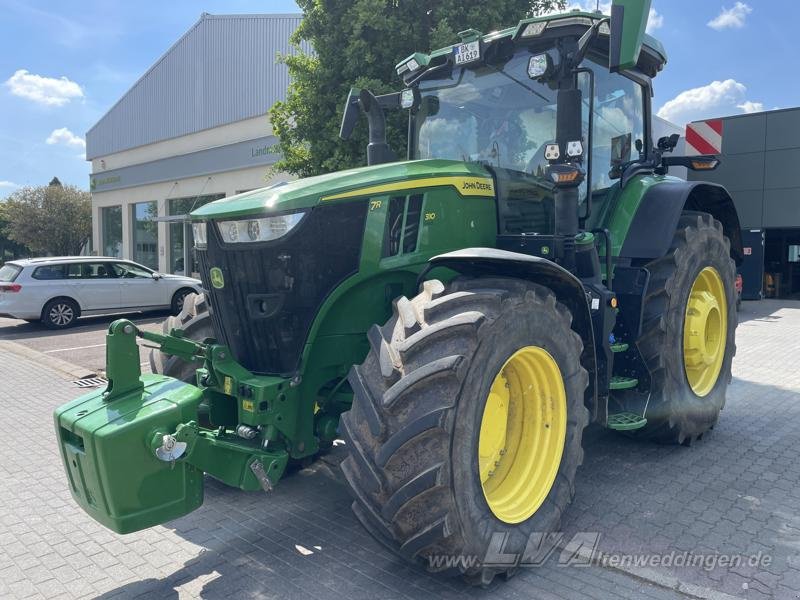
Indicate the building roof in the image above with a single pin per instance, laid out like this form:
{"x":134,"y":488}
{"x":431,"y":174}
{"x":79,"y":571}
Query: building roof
{"x":222,"y":70}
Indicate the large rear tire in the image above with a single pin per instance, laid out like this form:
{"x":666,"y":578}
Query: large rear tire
{"x":195,"y":320}
{"x":688,"y":336}
{"x":467,"y":421}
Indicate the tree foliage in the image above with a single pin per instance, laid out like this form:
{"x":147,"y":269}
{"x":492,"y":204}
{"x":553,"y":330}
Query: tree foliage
{"x":357,"y":43}
{"x":51,"y":219}
{"x":9,"y":249}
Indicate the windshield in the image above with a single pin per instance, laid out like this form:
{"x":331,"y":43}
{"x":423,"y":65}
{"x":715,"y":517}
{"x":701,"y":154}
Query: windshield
{"x":499,"y":116}
{"x":490,"y":114}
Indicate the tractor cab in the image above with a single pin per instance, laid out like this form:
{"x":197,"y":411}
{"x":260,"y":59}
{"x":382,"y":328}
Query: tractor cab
{"x":502,"y":110}
{"x":541,"y":106}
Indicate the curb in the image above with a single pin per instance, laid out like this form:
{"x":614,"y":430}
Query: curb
{"x":662,"y":580}
{"x":64,"y":368}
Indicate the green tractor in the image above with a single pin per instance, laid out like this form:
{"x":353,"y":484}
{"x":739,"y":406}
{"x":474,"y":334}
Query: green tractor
{"x":458,"y":317}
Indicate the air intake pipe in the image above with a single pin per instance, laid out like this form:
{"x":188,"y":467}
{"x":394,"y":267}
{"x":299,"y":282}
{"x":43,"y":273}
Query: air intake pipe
{"x":378,"y":150}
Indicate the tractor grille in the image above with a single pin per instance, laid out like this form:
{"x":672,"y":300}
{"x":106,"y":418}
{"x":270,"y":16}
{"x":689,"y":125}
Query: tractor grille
{"x":274,"y":289}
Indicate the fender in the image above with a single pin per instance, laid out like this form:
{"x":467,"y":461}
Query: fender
{"x":653,"y":225}
{"x":567,"y":288}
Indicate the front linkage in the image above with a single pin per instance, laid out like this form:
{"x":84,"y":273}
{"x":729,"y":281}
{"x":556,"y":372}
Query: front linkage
{"x":158,"y":431}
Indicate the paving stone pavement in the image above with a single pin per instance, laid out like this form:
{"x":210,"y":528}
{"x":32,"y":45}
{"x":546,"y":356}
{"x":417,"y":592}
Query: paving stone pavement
{"x":737,"y":492}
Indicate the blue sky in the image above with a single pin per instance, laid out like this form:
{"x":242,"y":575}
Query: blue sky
{"x":63,"y":64}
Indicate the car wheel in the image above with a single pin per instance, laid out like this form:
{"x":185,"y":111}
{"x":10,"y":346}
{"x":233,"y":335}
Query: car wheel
{"x":60,"y":313}
{"x":179,"y":298}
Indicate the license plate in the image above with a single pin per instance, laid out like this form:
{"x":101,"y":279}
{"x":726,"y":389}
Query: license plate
{"x":467,"y":53}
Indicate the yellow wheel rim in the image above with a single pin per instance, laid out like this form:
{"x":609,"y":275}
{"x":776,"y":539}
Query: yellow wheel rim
{"x":705,"y":330}
{"x":522,"y":434}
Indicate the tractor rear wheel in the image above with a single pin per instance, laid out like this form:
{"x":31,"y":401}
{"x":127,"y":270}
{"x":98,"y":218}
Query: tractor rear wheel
{"x":467,"y":421}
{"x":688,"y":336}
{"x":195,"y":320}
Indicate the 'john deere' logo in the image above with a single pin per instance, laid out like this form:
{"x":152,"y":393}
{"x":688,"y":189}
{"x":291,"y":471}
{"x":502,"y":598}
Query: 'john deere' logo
{"x":476,"y":185}
{"x":217,"y":279}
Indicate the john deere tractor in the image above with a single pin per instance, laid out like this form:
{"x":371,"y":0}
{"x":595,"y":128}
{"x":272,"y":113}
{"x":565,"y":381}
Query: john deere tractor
{"x":458,"y":317}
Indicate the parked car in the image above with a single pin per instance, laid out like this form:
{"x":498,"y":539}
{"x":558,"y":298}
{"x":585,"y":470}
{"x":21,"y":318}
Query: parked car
{"x":58,"y":290}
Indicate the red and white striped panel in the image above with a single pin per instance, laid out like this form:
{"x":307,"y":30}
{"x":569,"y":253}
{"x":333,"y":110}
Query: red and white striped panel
{"x":704,"y":137}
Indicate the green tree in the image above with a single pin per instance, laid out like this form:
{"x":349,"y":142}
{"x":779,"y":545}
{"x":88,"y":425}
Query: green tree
{"x":9,"y":249}
{"x":49,"y":219}
{"x":357,"y":43}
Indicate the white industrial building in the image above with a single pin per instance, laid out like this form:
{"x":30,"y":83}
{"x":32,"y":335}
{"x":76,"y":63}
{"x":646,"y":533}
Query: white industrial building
{"x":192,"y":129}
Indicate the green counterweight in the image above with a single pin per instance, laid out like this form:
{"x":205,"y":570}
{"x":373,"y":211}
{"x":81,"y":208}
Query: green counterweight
{"x":146,"y":428}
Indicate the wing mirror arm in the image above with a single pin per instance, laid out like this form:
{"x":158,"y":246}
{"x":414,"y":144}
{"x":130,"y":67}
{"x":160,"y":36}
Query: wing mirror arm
{"x":583,"y":43}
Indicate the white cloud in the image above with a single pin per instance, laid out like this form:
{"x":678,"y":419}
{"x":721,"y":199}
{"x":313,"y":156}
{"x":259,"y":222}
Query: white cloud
{"x":717,"y":99}
{"x":49,"y":91}
{"x":749,"y":106}
{"x":733,"y":17}
{"x":655,"y":20}
{"x":66,"y":137}
{"x":8,"y":184}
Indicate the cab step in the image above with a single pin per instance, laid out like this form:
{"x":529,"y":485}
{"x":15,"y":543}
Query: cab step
{"x":626,"y":421}
{"x":619,"y":347}
{"x":618,"y":382}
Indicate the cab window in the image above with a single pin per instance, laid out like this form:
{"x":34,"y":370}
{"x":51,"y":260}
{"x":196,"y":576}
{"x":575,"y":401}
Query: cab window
{"x":618,"y":122}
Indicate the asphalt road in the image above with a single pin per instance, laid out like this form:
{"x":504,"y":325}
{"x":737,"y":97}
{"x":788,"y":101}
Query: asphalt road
{"x":83,"y":345}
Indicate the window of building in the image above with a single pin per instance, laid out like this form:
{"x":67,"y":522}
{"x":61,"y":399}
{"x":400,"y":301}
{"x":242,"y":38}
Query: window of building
{"x":181,"y":240}
{"x":111,"y":219}
{"x":145,"y":233}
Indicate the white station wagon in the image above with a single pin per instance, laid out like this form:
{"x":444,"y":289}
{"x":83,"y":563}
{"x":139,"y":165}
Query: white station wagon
{"x":58,"y":290}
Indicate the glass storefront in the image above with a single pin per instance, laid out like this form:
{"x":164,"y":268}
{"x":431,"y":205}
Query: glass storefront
{"x":111,"y":243}
{"x":181,"y":244}
{"x":145,"y":233}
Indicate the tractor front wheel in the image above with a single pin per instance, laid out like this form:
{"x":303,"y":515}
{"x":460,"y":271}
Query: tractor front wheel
{"x":688,"y":336}
{"x":467,"y":421}
{"x":194,"y":319}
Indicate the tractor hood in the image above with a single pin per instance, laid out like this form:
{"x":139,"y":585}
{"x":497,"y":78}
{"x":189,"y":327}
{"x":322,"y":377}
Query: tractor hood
{"x":468,"y":178}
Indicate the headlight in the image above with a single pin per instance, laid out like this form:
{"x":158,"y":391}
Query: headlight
{"x":258,"y":230}
{"x":407,"y":98}
{"x":199,"y":231}
{"x":540,"y":66}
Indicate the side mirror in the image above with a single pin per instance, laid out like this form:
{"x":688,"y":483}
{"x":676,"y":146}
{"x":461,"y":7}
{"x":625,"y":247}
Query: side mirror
{"x":667,"y":144}
{"x":351,"y":113}
{"x":628,"y":24}
{"x":156,"y":276}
